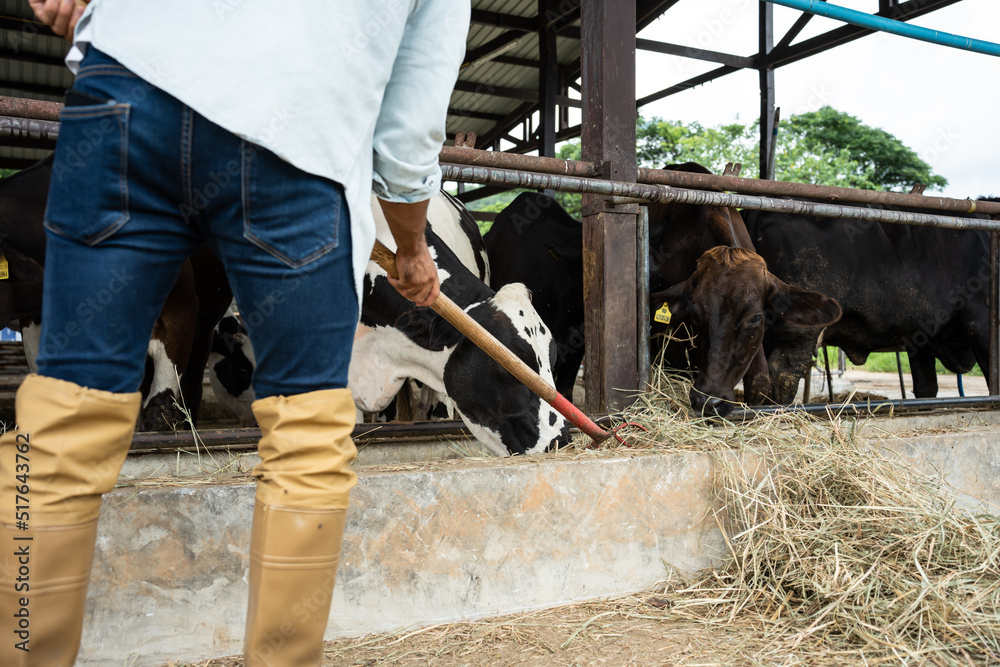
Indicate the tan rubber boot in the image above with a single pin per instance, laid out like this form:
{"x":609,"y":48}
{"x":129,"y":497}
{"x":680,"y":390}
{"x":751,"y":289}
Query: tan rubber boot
{"x":67,"y":452}
{"x":303,"y":484}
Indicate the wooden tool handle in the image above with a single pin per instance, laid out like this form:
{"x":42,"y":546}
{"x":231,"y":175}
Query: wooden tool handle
{"x":474,"y":331}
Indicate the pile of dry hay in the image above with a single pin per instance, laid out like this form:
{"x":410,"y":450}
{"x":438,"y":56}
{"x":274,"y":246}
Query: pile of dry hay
{"x":833,"y":546}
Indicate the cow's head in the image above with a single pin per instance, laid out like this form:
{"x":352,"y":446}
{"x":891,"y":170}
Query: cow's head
{"x":728,"y":302}
{"x":499,"y":410}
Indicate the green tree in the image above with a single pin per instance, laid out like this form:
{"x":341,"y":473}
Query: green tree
{"x":660,"y":143}
{"x":825,"y":147}
{"x":879,"y":158}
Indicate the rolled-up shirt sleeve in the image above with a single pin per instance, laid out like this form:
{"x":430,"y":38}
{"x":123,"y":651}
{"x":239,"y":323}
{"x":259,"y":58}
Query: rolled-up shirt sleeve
{"x":410,"y":130}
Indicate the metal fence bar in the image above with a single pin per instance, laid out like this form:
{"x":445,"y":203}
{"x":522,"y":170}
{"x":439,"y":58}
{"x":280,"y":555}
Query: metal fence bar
{"x":27,"y":128}
{"x":41,"y":110}
{"x":546,"y":165}
{"x":994,"y":369}
{"x":882,"y":24}
{"x":662,"y":193}
{"x":858,"y":408}
{"x":642,"y":301}
{"x":754,"y":186}
{"x":750,"y":186}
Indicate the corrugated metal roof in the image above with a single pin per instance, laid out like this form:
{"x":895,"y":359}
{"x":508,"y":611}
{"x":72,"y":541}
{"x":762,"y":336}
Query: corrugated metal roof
{"x":497,"y":88}
{"x":498,"y":84}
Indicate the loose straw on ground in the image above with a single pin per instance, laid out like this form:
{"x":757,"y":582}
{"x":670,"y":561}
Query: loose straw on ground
{"x":833,"y":543}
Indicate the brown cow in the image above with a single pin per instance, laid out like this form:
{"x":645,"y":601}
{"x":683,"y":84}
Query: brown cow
{"x":728,"y":302}
{"x":678,"y":236}
{"x":182,"y":335}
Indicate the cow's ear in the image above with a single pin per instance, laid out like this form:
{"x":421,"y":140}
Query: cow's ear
{"x":675,"y":298}
{"x":791,"y":309}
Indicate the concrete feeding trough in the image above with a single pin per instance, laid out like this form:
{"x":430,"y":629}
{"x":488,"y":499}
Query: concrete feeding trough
{"x":442,"y":540}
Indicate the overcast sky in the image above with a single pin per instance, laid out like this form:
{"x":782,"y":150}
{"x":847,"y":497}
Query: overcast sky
{"x":942,"y":102}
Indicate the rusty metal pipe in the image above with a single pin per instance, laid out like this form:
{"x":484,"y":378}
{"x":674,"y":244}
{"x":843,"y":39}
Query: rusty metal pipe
{"x":49,"y":111}
{"x":495,"y":159}
{"x":662,"y":193}
{"x":751,"y":186}
{"x":248,"y":437}
{"x":754,"y":186}
{"x":35,"y":109}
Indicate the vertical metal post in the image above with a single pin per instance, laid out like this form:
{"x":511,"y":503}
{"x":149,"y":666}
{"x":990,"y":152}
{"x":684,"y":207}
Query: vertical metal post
{"x":829,"y":375}
{"x":766,"y":43}
{"x":994,"y":370}
{"x":548,"y":78}
{"x":609,"y":235}
{"x":899,"y":369}
{"x":772,"y":150}
{"x":642,"y":301}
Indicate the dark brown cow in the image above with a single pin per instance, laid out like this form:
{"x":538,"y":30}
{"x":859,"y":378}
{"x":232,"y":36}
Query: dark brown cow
{"x":728,"y":302}
{"x":678,"y":236}
{"x":533,"y":241}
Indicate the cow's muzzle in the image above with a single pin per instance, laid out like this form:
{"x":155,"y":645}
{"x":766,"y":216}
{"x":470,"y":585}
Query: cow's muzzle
{"x":707,"y":405}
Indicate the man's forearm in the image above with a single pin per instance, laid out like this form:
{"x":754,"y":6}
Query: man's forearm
{"x":418,"y":279}
{"x":407,"y":223}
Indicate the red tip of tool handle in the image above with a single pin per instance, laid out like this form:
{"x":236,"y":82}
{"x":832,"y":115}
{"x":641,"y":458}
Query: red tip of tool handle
{"x":579,"y":420}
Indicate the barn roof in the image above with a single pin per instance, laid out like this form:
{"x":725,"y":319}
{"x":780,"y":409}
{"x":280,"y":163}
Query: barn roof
{"x":497,"y":94}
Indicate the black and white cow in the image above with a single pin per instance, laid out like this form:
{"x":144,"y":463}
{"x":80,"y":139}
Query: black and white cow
{"x":230,"y":368}
{"x":396,"y":340}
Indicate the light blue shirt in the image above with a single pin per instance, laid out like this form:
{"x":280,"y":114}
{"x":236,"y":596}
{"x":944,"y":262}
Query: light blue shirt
{"x":353,"y":90}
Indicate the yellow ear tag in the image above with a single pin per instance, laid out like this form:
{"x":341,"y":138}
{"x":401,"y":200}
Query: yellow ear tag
{"x":4,"y":273}
{"x":663,"y":314}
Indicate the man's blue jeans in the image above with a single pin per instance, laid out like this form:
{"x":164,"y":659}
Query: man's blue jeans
{"x":140,"y":181}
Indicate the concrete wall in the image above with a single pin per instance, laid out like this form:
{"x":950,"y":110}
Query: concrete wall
{"x":434,"y":543}
{"x":458,"y":541}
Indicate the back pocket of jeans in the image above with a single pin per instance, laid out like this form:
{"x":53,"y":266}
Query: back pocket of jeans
{"x":291,"y":214}
{"x":88,"y":195}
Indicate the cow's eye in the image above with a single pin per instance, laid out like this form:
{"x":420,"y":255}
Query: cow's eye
{"x":756,"y":320}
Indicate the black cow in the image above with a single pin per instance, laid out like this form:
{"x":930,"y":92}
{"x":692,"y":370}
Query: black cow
{"x":923,"y":288}
{"x":535,"y":242}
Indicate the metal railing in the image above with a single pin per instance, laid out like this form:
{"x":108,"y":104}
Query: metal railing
{"x":470,"y":165}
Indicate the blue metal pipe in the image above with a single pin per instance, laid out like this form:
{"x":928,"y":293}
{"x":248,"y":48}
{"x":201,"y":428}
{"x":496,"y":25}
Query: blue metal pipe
{"x":883,"y":24}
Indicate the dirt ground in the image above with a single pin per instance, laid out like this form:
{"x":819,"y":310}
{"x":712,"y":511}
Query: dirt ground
{"x":887,"y":384}
{"x":634,"y":630}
